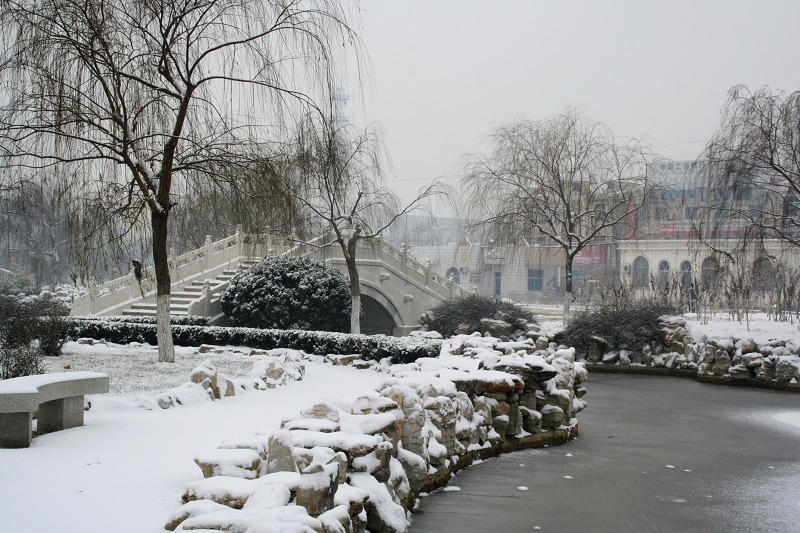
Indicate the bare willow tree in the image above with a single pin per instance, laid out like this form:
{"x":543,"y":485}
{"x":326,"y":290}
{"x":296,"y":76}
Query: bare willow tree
{"x":138,"y":95}
{"x":34,"y":231}
{"x":564,"y":180}
{"x":248,"y":197}
{"x":339,"y":183}
{"x":752,"y":167}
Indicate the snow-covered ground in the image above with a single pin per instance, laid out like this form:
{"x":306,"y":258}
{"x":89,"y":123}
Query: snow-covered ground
{"x":126,"y":469}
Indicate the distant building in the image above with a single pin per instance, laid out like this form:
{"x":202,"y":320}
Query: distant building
{"x":656,"y":249}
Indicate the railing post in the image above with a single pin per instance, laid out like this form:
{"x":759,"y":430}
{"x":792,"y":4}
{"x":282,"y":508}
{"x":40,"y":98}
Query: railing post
{"x":92,"y":295}
{"x":173,"y":267}
{"x":206,"y":298}
{"x":428,"y":273}
{"x":239,"y":240}
{"x":132,"y":285}
{"x":403,"y":256}
{"x":209,"y":250}
{"x":451,"y":282}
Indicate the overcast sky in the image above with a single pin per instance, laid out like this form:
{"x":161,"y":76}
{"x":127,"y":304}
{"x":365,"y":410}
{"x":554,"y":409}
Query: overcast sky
{"x":446,"y":72}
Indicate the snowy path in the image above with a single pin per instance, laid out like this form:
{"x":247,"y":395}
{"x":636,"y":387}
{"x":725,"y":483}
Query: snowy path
{"x":126,"y":469}
{"x":655,"y":455}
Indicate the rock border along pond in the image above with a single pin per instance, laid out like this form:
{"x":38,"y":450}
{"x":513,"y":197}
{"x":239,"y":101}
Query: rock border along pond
{"x":344,"y":468}
{"x":721,"y":360}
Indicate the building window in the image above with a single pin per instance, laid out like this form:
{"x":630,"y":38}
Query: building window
{"x":535,"y":277}
{"x":686,"y":276}
{"x":663,"y":276}
{"x":498,"y":280}
{"x":709,"y":274}
{"x":763,"y":275}
{"x":641,"y":273}
{"x":455,"y":274}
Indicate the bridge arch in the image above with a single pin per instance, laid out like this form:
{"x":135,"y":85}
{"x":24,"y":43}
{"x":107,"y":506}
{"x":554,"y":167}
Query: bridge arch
{"x":381,"y":314}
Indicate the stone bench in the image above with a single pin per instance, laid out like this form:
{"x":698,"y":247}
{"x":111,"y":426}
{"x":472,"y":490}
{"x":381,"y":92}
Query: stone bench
{"x":58,"y":397}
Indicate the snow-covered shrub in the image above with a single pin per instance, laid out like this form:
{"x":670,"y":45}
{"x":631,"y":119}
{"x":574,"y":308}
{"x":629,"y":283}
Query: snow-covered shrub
{"x":52,"y":323}
{"x":22,"y":360}
{"x":30,"y":328}
{"x":38,"y":319}
{"x":400,"y":350}
{"x":629,"y":326}
{"x":16,"y":283}
{"x":468,"y":311}
{"x":289,"y":293}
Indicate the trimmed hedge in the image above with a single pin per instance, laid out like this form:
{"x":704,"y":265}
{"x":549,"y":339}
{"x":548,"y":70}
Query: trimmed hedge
{"x":312,"y":342}
{"x":175,"y":320}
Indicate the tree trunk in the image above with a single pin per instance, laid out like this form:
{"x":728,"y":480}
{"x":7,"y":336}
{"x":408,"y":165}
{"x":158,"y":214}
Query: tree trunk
{"x":355,"y":295}
{"x":166,"y":350}
{"x":567,"y":289}
{"x":355,"y":284}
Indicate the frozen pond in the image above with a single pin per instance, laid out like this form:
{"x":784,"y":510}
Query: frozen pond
{"x":656,"y":455}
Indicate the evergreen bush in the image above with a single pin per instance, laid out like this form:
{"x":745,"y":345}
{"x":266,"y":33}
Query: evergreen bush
{"x":31,"y":327}
{"x":629,"y":325}
{"x":468,"y":311}
{"x":289,"y":293}
{"x":14,"y":283}
{"x":22,"y":360}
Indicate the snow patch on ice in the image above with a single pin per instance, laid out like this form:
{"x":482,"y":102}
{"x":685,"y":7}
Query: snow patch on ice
{"x":788,"y":418}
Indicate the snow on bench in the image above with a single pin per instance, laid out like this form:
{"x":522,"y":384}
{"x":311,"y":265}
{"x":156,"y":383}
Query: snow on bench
{"x":58,"y":397}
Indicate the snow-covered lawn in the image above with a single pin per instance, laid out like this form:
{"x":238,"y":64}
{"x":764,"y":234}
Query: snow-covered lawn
{"x":760,"y":327}
{"x":126,"y":469}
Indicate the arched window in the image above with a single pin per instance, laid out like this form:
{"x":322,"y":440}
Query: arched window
{"x":663,"y":276}
{"x":709,"y":275}
{"x":763,"y":275}
{"x":641,"y":273}
{"x":686,"y":276}
{"x":455,"y":274}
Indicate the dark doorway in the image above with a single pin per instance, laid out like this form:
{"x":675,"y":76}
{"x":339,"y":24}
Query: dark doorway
{"x":376,"y":318}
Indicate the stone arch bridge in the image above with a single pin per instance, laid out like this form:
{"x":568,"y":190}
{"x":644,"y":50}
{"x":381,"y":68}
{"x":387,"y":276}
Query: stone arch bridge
{"x":395,"y":288}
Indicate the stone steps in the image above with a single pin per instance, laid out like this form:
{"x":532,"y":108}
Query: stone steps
{"x":181,"y":300}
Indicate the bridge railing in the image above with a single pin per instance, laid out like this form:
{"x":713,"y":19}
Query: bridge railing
{"x":206,"y":261}
{"x":416,"y":272}
{"x":215,"y":256}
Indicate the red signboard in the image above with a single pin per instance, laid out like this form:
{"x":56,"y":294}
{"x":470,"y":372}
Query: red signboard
{"x":595,"y":254}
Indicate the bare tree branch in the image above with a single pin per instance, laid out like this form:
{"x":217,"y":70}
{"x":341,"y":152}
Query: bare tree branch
{"x":565,"y":180}
{"x":142,"y":98}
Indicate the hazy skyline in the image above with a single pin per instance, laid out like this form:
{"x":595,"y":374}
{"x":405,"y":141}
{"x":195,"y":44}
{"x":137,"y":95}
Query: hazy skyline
{"x":446,"y":72}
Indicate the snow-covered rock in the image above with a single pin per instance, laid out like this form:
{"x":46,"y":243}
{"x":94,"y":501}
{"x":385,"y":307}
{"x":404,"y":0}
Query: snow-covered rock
{"x":363,"y":464}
